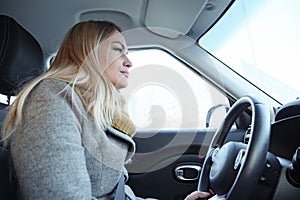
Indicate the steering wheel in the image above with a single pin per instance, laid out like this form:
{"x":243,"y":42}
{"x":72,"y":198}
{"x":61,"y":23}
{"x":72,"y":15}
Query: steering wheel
{"x":233,"y":169}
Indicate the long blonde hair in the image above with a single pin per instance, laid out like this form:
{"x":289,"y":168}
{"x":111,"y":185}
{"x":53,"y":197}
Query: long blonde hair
{"x":77,"y":63}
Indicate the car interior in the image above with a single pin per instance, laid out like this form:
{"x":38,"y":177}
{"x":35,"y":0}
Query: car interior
{"x":252,"y":153}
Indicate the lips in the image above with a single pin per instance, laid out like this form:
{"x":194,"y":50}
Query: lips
{"x":125,"y":73}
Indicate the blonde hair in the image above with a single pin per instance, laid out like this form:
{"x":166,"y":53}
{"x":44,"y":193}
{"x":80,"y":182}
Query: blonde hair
{"x":77,"y":63}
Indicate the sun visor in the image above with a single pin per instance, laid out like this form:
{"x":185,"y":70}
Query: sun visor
{"x":166,"y":18}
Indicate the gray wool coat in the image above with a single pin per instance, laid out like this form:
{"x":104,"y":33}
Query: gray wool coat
{"x":58,"y":152}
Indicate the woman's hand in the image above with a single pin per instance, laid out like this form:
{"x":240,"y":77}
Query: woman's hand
{"x":197,"y":194}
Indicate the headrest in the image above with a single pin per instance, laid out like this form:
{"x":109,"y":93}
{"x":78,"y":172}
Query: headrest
{"x":21,"y":56}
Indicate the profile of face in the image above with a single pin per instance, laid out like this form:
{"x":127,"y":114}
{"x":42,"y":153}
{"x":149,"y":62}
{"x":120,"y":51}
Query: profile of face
{"x":114,"y":61}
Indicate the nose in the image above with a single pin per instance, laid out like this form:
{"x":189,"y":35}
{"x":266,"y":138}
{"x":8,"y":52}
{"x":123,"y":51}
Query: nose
{"x":127,"y":62}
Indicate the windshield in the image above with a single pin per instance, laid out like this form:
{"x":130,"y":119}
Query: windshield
{"x":260,"y":40}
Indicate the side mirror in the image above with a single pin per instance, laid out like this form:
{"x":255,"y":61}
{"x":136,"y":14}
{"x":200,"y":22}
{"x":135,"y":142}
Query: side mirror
{"x":212,"y":110}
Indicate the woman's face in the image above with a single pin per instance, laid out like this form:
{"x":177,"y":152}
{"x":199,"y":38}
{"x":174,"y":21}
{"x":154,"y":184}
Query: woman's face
{"x":113,"y":59}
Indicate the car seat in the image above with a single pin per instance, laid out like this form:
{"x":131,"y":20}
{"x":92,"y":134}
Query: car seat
{"x":21,"y":60}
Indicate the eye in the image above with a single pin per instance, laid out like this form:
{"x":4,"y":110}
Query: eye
{"x":118,"y":49}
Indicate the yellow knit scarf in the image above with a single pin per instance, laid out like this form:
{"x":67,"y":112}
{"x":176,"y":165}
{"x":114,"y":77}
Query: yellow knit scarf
{"x":121,"y":122}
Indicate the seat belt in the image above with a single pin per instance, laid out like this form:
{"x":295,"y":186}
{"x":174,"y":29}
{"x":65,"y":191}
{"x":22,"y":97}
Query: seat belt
{"x":120,"y":191}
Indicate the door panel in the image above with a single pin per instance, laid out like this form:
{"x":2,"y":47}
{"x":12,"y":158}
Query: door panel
{"x":159,"y":154}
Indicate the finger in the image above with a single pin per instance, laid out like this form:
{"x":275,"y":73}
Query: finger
{"x":197,"y":194}
{"x":216,"y":197}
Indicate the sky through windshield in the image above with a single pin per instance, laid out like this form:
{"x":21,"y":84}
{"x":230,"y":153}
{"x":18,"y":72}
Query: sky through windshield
{"x":259,"y":39}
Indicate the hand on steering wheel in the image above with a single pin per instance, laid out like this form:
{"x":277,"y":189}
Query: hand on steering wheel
{"x":197,"y":194}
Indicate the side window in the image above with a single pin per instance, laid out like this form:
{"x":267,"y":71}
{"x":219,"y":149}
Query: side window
{"x":3,"y":99}
{"x":164,"y":93}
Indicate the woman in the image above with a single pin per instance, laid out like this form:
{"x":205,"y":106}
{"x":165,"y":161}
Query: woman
{"x":71,"y":135}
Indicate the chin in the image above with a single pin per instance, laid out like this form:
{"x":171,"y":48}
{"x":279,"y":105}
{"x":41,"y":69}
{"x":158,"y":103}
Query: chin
{"x":121,"y":85}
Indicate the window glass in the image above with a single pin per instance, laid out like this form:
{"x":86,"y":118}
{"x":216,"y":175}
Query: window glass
{"x":163,"y":93}
{"x":259,"y":39}
{"x":3,"y":99}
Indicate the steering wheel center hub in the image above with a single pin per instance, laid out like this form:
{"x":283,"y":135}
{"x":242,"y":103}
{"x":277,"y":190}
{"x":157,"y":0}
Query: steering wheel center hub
{"x":225,"y":165}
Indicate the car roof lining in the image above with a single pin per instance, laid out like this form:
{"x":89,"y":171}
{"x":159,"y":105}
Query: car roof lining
{"x":128,"y":14}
